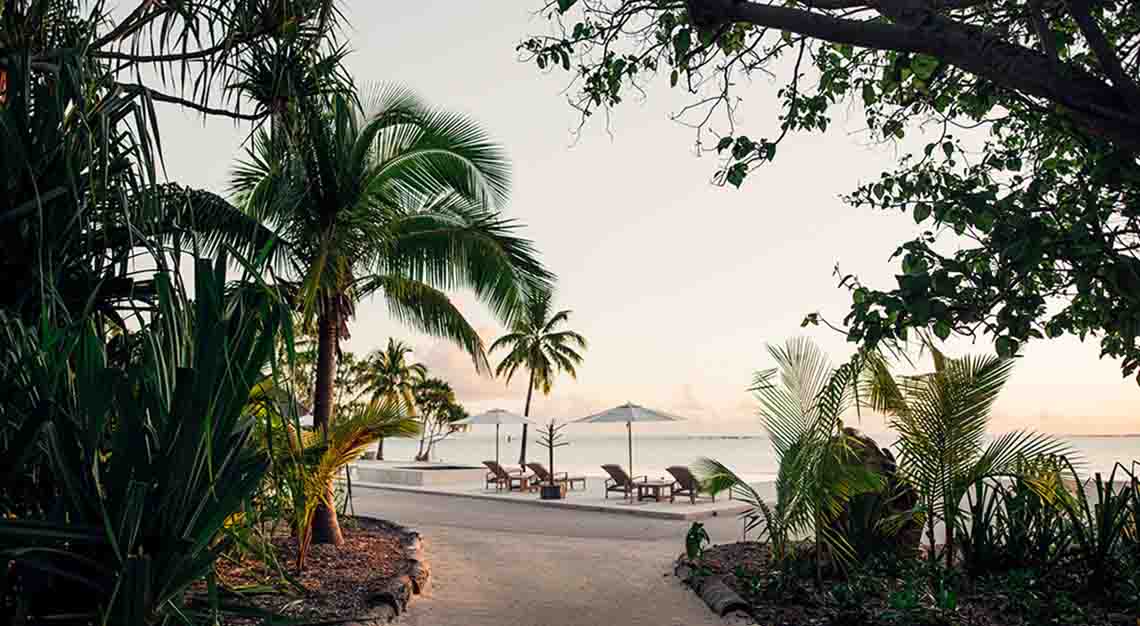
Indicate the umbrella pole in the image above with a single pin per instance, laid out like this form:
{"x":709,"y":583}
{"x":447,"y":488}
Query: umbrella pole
{"x":629,"y":433}
{"x":496,"y":444}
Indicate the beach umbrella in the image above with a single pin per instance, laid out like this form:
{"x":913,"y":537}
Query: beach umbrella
{"x":629,"y":413}
{"x":497,"y":417}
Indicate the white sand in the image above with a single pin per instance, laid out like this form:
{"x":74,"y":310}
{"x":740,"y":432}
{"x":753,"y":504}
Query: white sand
{"x":497,"y":563}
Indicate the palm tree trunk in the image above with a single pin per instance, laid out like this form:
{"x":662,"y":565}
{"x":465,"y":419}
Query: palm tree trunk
{"x":380,"y":449}
{"x":326,"y":527}
{"x":526,"y":413}
{"x":950,"y":543}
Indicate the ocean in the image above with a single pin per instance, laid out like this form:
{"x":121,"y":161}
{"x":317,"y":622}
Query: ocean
{"x":749,"y":454}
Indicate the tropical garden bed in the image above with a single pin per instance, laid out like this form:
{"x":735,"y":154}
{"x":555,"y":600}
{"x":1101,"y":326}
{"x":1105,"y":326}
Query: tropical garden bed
{"x":962,"y":527}
{"x":377,"y":566}
{"x":904,"y":592}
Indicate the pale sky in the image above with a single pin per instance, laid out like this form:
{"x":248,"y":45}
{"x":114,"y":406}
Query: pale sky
{"x":676,"y":283}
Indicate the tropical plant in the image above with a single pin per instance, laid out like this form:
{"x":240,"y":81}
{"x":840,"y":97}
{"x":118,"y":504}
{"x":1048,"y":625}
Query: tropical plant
{"x":536,"y":343}
{"x":801,"y":401}
{"x":305,"y":462}
{"x":439,"y":411}
{"x":1014,"y":524}
{"x":1101,"y":521}
{"x":1026,"y":119}
{"x":551,"y":438}
{"x":388,"y":374}
{"x":941,"y":418}
{"x":80,"y":145}
{"x":144,"y":460}
{"x":399,"y":201}
{"x":695,"y":541}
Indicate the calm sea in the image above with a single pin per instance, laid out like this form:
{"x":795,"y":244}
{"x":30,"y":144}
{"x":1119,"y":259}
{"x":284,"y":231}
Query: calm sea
{"x":750,"y":455}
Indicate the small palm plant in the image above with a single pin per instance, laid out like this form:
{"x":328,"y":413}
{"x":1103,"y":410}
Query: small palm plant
{"x":551,"y":438}
{"x":304,"y":463}
{"x":801,"y":402}
{"x":941,"y":418}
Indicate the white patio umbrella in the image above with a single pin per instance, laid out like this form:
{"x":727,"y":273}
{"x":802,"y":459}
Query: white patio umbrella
{"x":629,"y":413}
{"x":497,"y":417}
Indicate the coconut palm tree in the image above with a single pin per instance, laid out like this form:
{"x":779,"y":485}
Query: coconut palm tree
{"x":536,"y":343}
{"x":389,"y":375}
{"x":398,"y":201}
{"x":942,"y":418}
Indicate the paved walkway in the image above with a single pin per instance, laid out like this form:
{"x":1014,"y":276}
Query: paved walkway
{"x":507,"y":564}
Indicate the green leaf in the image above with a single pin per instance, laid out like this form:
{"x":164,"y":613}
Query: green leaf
{"x":682,"y":41}
{"x":736,"y":174}
{"x":673,"y":77}
{"x":1006,"y":347}
{"x":724,"y":143}
{"x":564,"y":5}
{"x":921,"y":212}
{"x":942,"y":329}
{"x":869,"y":95}
{"x":924,"y":66}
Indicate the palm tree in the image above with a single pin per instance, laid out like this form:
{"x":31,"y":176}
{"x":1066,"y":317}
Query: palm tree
{"x":399,"y":201}
{"x":801,"y":404}
{"x":536,"y":344}
{"x":389,"y":375}
{"x":941,"y":418}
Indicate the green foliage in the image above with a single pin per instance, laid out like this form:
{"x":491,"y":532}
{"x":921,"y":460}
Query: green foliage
{"x":305,"y":462}
{"x":388,"y":374}
{"x":1025,"y":187}
{"x":941,"y":418}
{"x":801,"y":403}
{"x":439,"y":410}
{"x":1101,"y":522}
{"x":133,"y":454}
{"x":695,"y":541}
{"x":536,"y":342}
{"x":398,"y":199}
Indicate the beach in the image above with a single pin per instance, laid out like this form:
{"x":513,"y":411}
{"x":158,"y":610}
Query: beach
{"x":750,"y":454}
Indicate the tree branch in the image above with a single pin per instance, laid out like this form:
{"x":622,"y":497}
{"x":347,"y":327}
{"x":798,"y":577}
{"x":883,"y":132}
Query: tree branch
{"x":1103,"y":50}
{"x":190,"y":104}
{"x":1044,"y":33}
{"x":915,"y":27}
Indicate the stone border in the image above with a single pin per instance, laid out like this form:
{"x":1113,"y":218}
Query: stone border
{"x":393,"y":601}
{"x":716,"y":593}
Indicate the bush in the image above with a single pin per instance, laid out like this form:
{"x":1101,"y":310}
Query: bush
{"x":148,"y":459}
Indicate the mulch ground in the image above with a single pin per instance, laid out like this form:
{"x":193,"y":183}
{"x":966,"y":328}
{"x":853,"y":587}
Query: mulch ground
{"x":336,"y":581}
{"x":794,"y":601}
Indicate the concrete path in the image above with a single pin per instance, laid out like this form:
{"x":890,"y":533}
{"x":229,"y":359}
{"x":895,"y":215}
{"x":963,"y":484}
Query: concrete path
{"x":505,"y":564}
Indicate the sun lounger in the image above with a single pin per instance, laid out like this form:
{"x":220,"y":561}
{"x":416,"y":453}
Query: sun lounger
{"x":501,"y":478}
{"x":688,"y":485}
{"x":621,"y":481}
{"x":543,"y":476}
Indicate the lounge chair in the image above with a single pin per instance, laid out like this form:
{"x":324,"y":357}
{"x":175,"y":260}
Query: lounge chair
{"x":620,"y":481}
{"x":688,"y":485}
{"x":500,"y":478}
{"x":543,"y":476}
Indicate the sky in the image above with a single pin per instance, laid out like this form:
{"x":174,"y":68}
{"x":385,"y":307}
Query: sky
{"x":677,"y":284}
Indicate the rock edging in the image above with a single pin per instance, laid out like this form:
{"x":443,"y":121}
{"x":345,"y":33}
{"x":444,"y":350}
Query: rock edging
{"x":714,"y":591}
{"x":393,"y":601}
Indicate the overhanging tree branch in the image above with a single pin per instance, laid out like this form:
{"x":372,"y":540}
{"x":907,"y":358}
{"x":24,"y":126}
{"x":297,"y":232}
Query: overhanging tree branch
{"x":917,"y":28}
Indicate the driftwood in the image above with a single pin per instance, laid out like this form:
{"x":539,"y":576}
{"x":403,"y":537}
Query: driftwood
{"x":720,"y":597}
{"x":715,"y":592}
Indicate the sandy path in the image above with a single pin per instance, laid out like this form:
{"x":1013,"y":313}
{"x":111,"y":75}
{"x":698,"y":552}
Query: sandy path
{"x":502,"y":564}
